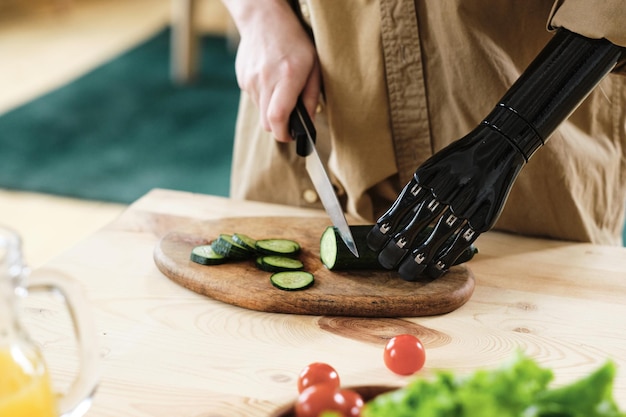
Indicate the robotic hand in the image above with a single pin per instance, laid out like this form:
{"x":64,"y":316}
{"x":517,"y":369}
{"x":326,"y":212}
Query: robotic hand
{"x":462,"y":189}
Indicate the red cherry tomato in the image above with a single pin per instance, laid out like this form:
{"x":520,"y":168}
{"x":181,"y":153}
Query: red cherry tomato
{"x":353,"y":403}
{"x":319,"y":398}
{"x":404,"y":354}
{"x":318,"y":373}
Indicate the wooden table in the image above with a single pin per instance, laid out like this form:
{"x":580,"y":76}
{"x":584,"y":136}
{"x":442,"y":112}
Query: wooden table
{"x":168,"y":351}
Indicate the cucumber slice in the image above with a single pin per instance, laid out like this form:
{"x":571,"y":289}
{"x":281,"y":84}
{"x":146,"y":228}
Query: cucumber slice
{"x":245,"y":241}
{"x":292,"y":280}
{"x":205,"y":255}
{"x":225,"y":245}
{"x":285,"y":247}
{"x":277,"y":263}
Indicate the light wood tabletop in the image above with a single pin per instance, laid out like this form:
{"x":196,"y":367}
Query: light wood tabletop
{"x":168,"y":351}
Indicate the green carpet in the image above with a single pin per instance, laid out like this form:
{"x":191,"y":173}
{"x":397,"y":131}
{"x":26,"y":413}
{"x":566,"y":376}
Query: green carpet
{"x":125,"y":128}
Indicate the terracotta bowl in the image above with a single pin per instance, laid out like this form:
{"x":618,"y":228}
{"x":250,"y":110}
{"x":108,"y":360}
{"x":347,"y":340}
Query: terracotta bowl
{"x":367,"y":392}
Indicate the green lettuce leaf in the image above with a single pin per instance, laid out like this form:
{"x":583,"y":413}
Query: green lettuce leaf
{"x":591,"y":396}
{"x":519,"y":388}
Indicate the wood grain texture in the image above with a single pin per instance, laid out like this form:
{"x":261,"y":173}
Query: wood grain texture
{"x":346,"y":293}
{"x":168,"y":351}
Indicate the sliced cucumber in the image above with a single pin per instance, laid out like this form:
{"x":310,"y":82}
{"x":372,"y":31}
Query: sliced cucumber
{"x":245,"y":241}
{"x":225,"y":245}
{"x":292,"y":280}
{"x":284,"y":247}
{"x":205,"y":255}
{"x":277,"y":263}
{"x":335,"y":255}
{"x":274,"y":255}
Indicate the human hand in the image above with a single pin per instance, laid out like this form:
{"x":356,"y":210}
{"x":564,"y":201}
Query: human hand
{"x":276,"y":62}
{"x":462,"y":189}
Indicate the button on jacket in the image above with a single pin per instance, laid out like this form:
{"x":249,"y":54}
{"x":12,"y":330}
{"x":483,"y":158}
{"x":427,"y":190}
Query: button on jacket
{"x":403,"y":79}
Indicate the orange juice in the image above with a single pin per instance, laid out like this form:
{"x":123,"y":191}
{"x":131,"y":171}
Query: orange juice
{"x":25,"y":389}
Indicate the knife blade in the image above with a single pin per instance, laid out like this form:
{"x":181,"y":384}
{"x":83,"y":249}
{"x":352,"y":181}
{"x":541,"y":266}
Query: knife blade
{"x":303,"y":131}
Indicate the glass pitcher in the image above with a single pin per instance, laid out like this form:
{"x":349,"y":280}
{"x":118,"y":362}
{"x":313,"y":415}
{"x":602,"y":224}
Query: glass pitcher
{"x":25,"y":386}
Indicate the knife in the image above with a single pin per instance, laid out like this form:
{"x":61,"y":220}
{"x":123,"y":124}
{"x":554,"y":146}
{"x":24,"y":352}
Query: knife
{"x":302,"y":130}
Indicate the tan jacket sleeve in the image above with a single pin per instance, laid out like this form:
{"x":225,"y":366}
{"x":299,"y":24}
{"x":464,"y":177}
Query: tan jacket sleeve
{"x":593,"y":19}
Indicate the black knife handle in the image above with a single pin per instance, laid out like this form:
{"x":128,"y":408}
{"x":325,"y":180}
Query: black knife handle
{"x":301,"y":126}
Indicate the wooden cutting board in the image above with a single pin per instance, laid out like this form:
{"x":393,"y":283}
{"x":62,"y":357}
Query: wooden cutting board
{"x":346,"y":293}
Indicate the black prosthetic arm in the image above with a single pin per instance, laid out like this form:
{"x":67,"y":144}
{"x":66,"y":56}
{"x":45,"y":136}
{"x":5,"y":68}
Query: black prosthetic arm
{"x":461,"y":189}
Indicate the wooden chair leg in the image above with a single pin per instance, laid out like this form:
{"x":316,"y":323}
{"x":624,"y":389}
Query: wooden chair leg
{"x":184,"y":42}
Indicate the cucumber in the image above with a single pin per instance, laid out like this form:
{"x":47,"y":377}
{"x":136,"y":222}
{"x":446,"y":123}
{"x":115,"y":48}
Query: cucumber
{"x":276,"y":263}
{"x":274,"y":255}
{"x":292,"y":280}
{"x":284,"y":247}
{"x":245,"y":241}
{"x":225,"y":245}
{"x":205,"y":255}
{"x":335,"y":255}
